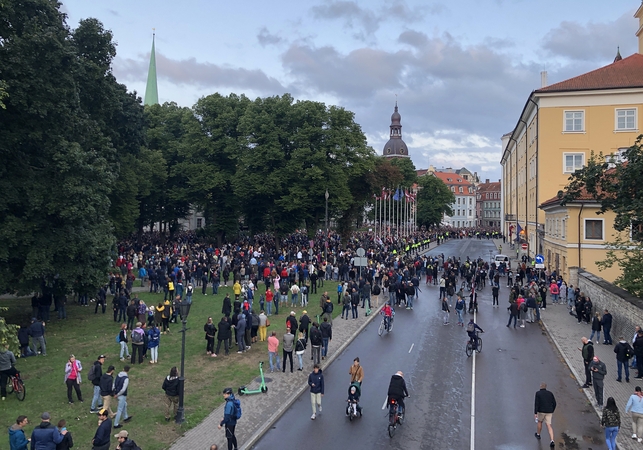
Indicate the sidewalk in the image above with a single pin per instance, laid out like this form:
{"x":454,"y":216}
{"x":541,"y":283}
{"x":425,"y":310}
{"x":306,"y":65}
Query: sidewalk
{"x":566,"y":333}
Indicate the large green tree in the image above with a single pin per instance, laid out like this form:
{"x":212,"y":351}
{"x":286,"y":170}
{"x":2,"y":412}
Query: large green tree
{"x":55,"y":171}
{"x":433,"y":201}
{"x":615,"y":182}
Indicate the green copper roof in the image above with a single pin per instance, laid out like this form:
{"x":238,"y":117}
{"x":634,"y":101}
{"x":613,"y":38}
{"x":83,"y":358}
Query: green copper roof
{"x":152,"y":91}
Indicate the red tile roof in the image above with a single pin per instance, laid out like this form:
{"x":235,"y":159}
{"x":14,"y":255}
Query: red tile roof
{"x":626,"y":73}
{"x":584,"y":197}
{"x":421,"y":172}
{"x":453,"y":179}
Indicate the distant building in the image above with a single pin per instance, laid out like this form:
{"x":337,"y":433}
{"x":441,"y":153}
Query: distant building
{"x":465,"y":198}
{"x":488,"y":204}
{"x":395,"y":147}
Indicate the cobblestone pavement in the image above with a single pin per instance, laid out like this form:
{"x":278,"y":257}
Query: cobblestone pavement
{"x":566,"y":334}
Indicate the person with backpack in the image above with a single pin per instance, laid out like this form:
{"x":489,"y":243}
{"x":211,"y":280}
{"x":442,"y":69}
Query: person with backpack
{"x":124,"y":442}
{"x":138,"y":341}
{"x":624,"y":352}
{"x":231,"y":413}
{"x":315,"y":343}
{"x":153,"y":341}
{"x":375,"y":292}
{"x":95,"y":372}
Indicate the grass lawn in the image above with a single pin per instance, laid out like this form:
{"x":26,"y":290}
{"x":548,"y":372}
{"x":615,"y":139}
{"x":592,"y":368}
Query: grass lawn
{"x":87,"y":335}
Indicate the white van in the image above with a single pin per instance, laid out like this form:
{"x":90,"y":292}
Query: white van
{"x":501,"y":258}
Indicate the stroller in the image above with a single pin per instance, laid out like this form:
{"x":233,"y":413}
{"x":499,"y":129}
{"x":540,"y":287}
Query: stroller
{"x":353,"y":408}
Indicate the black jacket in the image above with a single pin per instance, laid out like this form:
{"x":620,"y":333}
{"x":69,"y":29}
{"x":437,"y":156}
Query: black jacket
{"x":224,"y":330}
{"x":304,"y":322}
{"x":209,"y":329}
{"x":326,"y":330}
{"x":588,"y":351}
{"x":596,"y":324}
{"x":103,"y":433}
{"x":66,"y":443}
{"x":227,"y":306}
{"x":171,"y":386}
{"x":622,"y":349}
{"x":98,"y":372}
{"x":638,"y":347}
{"x":291,"y":322}
{"x":397,"y":387}
{"x":128,"y":444}
{"x":607,"y":321}
{"x":106,"y":385}
{"x":315,"y":336}
{"x":545,"y":402}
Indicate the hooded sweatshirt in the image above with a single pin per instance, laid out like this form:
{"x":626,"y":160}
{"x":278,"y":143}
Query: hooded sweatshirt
{"x":171,"y":386}
{"x":17,"y":438}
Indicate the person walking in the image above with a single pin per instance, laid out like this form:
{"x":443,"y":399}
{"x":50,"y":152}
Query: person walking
{"x":101,"y":440}
{"x":356,"y":372}
{"x":229,"y":420}
{"x":445,"y":312}
{"x":94,"y":375}
{"x":599,"y":370}
{"x":153,"y":341}
{"x":316,"y":383}
{"x":17,"y":438}
{"x":288,"y":340}
{"x":273,"y":351}
{"x":210,"y":332}
{"x":300,"y":348}
{"x":120,"y":394}
{"x":171,"y":388}
{"x":544,"y":407}
{"x":326,"y":330}
{"x":315,"y":343}
{"x":624,"y":352}
{"x":588,"y":355}
{"x":459,"y":309}
{"x":635,"y":407}
{"x":73,"y":378}
{"x":611,"y":421}
{"x":46,"y":436}
{"x":107,"y":390}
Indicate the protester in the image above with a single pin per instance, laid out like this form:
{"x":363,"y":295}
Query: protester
{"x":171,"y":388}
{"x":73,"y":378}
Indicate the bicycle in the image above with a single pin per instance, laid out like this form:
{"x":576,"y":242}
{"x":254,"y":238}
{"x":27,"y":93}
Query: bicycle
{"x":469,"y":348}
{"x":382,"y":327}
{"x":15,"y":384}
{"x":395,"y":418}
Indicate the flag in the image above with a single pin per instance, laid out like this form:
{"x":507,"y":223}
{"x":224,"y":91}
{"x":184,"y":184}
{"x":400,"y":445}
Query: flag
{"x":397,"y":195}
{"x":384,"y":194}
{"x":407,"y":195}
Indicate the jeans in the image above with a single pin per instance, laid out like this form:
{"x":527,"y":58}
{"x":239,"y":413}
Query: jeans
{"x":39,"y":342}
{"x":122,"y":316}
{"x":62,"y":312}
{"x":316,"y":354}
{"x":96,"y":399}
{"x":598,"y":336}
{"x":226,"y":345}
{"x":460,"y":318}
{"x":409,"y":301}
{"x":610,"y":437}
{"x":121,"y":412}
{"x":324,"y":347}
{"x":354,"y":310}
{"x":269,"y":308}
{"x":241,"y":344}
{"x":366,"y":299}
{"x":627,"y":370}
{"x":124,"y":350}
{"x":345,"y":310}
{"x":215,"y":288}
{"x":606,"y":335}
{"x":274,"y":355}
{"x":301,"y":361}
{"x":514,"y":317}
{"x":293,"y":300}
{"x":154,"y":354}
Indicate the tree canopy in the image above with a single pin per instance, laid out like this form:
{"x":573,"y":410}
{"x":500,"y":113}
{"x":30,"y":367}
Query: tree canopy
{"x":614,"y":182}
{"x":434,"y":201}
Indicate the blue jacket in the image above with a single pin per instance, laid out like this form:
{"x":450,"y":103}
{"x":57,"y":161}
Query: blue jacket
{"x":229,"y":414}
{"x":17,"y":439}
{"x":103,"y":432}
{"x":45,"y":437}
{"x":154,"y":335}
{"x":318,"y":380}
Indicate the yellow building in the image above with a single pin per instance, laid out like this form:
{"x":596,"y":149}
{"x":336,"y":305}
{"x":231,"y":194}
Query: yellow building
{"x":558,"y":128}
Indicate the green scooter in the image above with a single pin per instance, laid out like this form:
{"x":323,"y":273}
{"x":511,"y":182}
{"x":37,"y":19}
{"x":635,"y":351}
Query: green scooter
{"x":262,"y":387}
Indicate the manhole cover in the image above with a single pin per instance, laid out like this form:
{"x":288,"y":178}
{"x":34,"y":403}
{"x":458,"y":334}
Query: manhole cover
{"x":266,"y":379}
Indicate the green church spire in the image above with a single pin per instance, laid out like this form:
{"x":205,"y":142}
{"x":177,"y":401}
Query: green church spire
{"x":152,"y":91}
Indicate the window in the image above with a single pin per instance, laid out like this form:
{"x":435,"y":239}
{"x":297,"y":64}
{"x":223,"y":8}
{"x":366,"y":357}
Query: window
{"x":562,"y":228}
{"x":574,"y":121}
{"x":452,"y":188}
{"x":637,"y":230}
{"x":573,"y":161}
{"x":460,"y":189}
{"x":470,"y":201}
{"x":199,"y":222}
{"x":594,"y":229}
{"x":626,"y":119}
{"x":458,"y":200}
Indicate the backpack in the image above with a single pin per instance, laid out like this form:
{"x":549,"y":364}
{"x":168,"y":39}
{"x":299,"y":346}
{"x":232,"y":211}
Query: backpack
{"x":471,"y":328}
{"x":629,"y":351}
{"x":329,"y":308}
{"x":92,"y":373}
{"x":118,"y":338}
{"x":237,"y":408}
{"x":137,"y":337}
{"x":376,"y":290}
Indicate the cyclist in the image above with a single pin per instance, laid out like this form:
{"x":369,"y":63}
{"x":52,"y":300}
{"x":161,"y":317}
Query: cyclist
{"x":387,"y":312}
{"x":473,"y":335}
{"x":397,"y":390}
{"x":7,"y":369}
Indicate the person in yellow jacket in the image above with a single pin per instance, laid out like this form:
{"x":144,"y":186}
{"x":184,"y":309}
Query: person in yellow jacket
{"x":166,"y":313}
{"x":236,"y":288}
{"x":170,"y":287}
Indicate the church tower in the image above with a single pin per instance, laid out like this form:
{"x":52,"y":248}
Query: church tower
{"x":151,"y":90}
{"x":395,"y":147}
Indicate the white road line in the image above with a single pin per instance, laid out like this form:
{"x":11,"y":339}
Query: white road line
{"x":412,"y":345}
{"x":473,"y":396}
{"x":385,"y":402}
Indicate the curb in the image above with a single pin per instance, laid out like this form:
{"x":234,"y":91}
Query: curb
{"x":284,"y":407}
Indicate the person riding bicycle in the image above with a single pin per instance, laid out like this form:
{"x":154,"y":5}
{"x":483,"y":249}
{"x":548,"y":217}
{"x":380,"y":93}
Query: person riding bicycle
{"x":473,"y":335}
{"x":7,"y":369}
{"x":397,"y":390}
{"x":387,"y":312}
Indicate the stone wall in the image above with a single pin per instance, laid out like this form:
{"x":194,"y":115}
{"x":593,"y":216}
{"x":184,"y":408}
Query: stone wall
{"x":626,"y":310}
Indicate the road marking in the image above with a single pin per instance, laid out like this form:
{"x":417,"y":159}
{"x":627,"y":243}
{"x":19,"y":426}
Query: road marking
{"x":412,"y":345}
{"x":473,"y":395}
{"x":385,"y":402}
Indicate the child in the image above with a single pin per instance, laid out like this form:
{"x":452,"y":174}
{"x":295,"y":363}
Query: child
{"x":354,"y":393}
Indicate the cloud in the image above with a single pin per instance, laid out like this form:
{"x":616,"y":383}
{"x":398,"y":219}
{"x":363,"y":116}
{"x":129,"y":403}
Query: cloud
{"x":266,"y":38}
{"x":200,"y":74}
{"x":594,"y":41}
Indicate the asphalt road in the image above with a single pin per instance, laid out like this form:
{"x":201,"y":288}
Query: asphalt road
{"x":508,"y":372}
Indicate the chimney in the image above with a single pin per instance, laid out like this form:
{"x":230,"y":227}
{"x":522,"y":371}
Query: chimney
{"x":486,"y":181}
{"x":543,"y":79}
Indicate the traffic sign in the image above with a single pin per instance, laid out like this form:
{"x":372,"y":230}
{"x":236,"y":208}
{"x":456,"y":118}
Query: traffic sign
{"x":540,"y":259}
{"x":525,"y":246}
{"x":360,"y":261}
{"x":361,"y":252}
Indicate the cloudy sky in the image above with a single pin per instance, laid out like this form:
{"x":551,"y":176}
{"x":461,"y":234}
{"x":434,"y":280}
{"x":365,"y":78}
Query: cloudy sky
{"x":462,"y":70}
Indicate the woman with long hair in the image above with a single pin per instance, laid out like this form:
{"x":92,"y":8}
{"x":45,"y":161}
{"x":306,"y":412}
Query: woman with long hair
{"x":611,"y":420}
{"x":73,"y":379}
{"x":122,"y":339}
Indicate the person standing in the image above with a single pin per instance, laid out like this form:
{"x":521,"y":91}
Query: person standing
{"x":101,"y":440}
{"x":596,"y":328}
{"x":544,"y":407}
{"x":37,"y":333}
{"x":73,"y":378}
{"x":445,"y":311}
{"x":588,"y":355}
{"x":356,"y":372}
{"x":638,"y":352}
{"x":288,"y":342}
{"x":95,"y":374}
{"x":599,"y":370}
{"x":315,"y":343}
{"x":171,"y":388}
{"x":68,"y":440}
{"x":138,"y":341}
{"x":45,"y":436}
{"x":623,"y":352}
{"x":635,"y":406}
{"x":316,"y":383}
{"x":223,"y":336}
{"x":263,"y":326}
{"x":326,"y":330}
{"x":120,"y":394}
{"x":210,"y":332}
{"x":107,"y":390}
{"x":611,"y":420}
{"x":122,"y":340}
{"x":17,"y":438}
{"x":273,"y":351}
{"x":229,"y":420}
{"x":328,"y":309}
{"x":241,"y":331}
{"x":153,"y":341}
{"x":606,"y":322}
{"x":300,"y":348}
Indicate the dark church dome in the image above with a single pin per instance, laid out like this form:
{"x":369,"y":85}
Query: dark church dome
{"x":396,"y":147}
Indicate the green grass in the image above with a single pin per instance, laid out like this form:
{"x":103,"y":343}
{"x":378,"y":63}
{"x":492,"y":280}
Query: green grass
{"x":87,"y":335}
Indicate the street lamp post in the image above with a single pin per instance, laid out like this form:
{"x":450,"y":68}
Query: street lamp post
{"x":185,"y":311}
{"x":326,"y":235}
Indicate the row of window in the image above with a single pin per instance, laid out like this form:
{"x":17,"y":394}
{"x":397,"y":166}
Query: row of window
{"x":492,"y":213}
{"x":492,"y":195}
{"x":464,"y":212}
{"x":625,"y":119}
{"x":461,"y":189}
{"x":464,"y":201}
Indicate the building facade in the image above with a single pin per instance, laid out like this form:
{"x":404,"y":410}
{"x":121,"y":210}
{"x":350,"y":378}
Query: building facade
{"x":488,"y":204}
{"x":395,"y":147}
{"x":465,"y":199}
